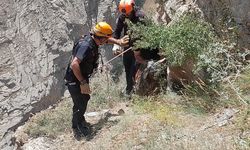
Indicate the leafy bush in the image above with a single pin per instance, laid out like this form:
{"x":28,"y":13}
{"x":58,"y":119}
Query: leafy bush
{"x":190,"y":38}
{"x":185,"y":39}
{"x":217,"y":60}
{"x":220,"y":61}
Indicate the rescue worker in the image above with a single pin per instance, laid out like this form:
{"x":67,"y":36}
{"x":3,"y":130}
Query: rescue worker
{"x":84,"y":60}
{"x":129,"y":11}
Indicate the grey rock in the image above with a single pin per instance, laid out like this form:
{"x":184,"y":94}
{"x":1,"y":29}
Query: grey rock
{"x":40,"y":143}
{"x":36,"y":39}
{"x":232,"y":11}
{"x":224,"y":117}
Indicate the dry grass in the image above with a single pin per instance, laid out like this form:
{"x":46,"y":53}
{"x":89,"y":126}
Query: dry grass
{"x":237,"y":88}
{"x":105,"y":93}
{"x":161,"y":111}
{"x":243,"y":124}
{"x":154,"y":126}
{"x":159,"y":122}
{"x":52,"y":122}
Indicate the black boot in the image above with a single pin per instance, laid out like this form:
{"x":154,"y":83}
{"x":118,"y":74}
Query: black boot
{"x":77,"y":134}
{"x":84,"y":130}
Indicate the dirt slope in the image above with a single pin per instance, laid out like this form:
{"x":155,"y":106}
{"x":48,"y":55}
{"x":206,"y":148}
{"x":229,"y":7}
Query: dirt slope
{"x":114,"y":130}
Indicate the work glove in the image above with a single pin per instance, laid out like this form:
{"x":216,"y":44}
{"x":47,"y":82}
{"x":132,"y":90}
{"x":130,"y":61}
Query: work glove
{"x":85,"y":89}
{"x":124,"y":41}
{"x":116,"y":49}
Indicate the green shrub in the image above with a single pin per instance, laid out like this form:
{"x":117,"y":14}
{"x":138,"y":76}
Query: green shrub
{"x":218,"y":60}
{"x":185,"y":39}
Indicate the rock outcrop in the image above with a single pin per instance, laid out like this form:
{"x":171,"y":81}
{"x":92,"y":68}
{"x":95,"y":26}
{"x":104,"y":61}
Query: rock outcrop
{"x":230,"y":13}
{"x":36,"y":39}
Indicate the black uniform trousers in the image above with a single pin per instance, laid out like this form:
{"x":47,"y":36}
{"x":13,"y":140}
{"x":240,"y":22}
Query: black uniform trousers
{"x":80,"y":102}
{"x":130,"y":70}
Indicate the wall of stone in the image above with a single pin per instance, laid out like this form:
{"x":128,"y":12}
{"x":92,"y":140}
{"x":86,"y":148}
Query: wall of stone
{"x":238,"y":10}
{"x":36,"y":38}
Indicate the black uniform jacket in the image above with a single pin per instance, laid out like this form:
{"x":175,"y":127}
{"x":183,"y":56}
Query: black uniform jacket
{"x":86,"y":50}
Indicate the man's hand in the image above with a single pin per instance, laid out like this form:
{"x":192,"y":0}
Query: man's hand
{"x":124,"y":41}
{"x":116,"y":49}
{"x":85,"y":89}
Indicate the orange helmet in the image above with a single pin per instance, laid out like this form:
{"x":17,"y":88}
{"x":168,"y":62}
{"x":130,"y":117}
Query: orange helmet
{"x":126,"y":6}
{"x":102,"y":29}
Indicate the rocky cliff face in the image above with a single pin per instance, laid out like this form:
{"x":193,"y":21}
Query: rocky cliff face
{"x":229,"y":12}
{"x":36,"y":39}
